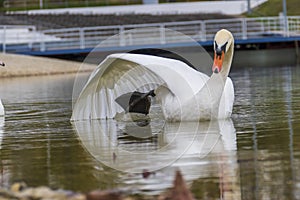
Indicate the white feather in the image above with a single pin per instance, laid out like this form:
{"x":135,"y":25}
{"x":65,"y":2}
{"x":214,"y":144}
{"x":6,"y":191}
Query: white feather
{"x":183,"y":93}
{"x":179,"y":84}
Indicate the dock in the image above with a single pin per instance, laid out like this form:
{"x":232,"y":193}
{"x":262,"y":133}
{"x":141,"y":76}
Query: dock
{"x":249,"y":33}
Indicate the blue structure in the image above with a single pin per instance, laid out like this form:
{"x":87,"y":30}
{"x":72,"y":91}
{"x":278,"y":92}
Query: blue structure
{"x":259,"y":43}
{"x":249,"y":33}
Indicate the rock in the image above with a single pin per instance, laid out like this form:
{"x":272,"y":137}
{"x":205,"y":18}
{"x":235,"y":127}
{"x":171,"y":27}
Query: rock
{"x":179,"y":190}
{"x":104,"y":195}
{"x":19,"y":191}
{"x":6,"y":194}
{"x":17,"y":187}
{"x":40,"y":193}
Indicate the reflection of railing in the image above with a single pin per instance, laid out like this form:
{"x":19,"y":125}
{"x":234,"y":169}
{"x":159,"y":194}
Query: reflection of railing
{"x":149,"y":34}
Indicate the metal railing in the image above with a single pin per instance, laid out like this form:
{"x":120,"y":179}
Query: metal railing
{"x":148,"y":34}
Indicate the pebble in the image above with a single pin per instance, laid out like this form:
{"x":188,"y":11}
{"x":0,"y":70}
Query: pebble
{"x":20,"y":191}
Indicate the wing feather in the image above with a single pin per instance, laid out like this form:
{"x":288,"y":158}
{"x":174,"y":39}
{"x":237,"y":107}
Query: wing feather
{"x":112,"y":78}
{"x":122,"y":73}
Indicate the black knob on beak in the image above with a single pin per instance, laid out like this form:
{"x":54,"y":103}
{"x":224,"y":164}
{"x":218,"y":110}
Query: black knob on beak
{"x":219,"y":52}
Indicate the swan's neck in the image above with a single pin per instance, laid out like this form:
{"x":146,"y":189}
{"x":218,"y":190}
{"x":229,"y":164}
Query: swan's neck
{"x":227,"y":62}
{"x":214,"y":87}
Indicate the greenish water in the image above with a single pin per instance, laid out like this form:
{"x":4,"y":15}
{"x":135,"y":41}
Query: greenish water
{"x":256,"y":155}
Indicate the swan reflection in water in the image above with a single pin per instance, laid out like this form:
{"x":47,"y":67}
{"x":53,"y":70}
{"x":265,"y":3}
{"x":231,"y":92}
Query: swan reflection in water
{"x":3,"y":176}
{"x":2,"y":120}
{"x":198,"y":149}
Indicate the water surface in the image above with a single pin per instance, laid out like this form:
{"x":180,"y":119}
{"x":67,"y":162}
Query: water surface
{"x":256,"y":155}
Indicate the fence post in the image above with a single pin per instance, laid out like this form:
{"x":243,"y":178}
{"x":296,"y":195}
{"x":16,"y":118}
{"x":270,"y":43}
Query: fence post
{"x":244,"y":28}
{"x":284,"y":25}
{"x":203,"y":31}
{"x":287,"y":26}
{"x":122,"y":36}
{"x":32,"y":38}
{"x":82,"y":39}
{"x":4,"y":40}
{"x":162,"y":34}
{"x":42,"y":42}
{"x":285,"y":19}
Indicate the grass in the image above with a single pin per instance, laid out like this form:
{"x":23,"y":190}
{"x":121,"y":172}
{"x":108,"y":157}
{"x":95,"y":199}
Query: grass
{"x":274,"y":7}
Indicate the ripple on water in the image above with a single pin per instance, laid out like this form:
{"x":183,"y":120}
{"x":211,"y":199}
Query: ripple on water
{"x":39,"y":139}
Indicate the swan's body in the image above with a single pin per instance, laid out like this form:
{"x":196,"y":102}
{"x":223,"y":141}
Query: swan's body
{"x":183,"y":93}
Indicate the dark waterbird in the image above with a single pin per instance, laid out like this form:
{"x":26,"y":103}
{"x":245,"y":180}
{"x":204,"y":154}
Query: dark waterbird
{"x":136,"y":102}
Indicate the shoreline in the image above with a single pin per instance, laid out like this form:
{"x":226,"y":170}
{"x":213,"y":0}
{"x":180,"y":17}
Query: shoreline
{"x":22,"y":65}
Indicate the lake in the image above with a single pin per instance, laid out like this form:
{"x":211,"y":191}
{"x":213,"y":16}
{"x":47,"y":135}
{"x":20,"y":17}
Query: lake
{"x":254,"y":155}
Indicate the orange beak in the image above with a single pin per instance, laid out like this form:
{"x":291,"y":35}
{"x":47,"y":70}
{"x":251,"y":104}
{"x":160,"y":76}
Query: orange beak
{"x":218,"y":62}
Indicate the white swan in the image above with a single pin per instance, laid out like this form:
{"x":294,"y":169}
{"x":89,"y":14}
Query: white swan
{"x":184,"y":93}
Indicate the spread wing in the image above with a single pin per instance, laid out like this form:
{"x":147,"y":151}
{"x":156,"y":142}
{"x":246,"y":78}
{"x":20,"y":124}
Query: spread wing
{"x":119,"y":74}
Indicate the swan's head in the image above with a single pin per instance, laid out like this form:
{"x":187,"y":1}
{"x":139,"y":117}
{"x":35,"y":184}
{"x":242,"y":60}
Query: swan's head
{"x":222,"y":43}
